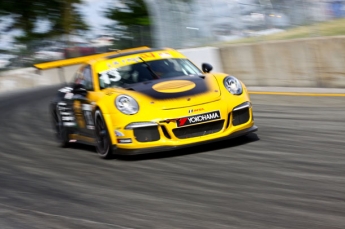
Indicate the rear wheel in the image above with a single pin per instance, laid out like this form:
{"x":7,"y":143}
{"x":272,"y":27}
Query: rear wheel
{"x":103,"y":142}
{"x":61,"y":132}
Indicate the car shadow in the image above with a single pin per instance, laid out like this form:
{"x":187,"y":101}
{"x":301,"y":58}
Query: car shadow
{"x":84,"y":147}
{"x":252,"y":137}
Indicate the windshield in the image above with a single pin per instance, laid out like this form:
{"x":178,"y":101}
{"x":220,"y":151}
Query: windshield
{"x":144,"y":71}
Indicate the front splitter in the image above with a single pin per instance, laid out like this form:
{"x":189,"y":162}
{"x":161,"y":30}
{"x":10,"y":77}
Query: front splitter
{"x":157,"y":149}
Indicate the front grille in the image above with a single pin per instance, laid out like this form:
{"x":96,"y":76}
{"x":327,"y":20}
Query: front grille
{"x":240,"y":116}
{"x":198,"y":130}
{"x":146,"y":134}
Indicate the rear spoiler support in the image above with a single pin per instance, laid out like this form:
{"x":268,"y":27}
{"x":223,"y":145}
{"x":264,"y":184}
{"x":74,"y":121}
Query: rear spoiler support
{"x":62,"y":75}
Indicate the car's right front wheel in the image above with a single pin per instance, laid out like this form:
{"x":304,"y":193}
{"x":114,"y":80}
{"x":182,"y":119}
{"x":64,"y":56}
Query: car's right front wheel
{"x":103,"y":142}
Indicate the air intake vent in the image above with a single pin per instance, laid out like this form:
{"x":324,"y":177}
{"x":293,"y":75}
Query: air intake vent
{"x":146,"y":134}
{"x":240,"y":116}
{"x":199,"y":130}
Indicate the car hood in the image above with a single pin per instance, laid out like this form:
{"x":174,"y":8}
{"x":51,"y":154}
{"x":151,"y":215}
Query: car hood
{"x":179,"y":92}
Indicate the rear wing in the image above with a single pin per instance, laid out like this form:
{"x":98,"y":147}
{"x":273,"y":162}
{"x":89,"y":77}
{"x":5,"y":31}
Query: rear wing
{"x":83,"y":59}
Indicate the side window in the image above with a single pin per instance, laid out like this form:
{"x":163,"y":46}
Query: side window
{"x":87,"y":73}
{"x":84,"y":77}
{"x":77,"y":77}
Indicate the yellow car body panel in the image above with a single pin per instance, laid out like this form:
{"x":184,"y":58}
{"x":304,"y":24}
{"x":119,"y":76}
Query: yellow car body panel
{"x":152,"y":113}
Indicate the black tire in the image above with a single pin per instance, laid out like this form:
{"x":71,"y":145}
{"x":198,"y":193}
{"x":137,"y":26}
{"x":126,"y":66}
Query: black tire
{"x":103,"y":143}
{"x":61,"y":133}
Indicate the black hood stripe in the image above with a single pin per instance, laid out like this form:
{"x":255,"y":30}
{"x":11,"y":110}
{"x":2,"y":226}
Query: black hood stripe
{"x":146,"y":88}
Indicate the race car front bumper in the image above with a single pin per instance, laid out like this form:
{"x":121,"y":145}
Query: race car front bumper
{"x":122,"y":151}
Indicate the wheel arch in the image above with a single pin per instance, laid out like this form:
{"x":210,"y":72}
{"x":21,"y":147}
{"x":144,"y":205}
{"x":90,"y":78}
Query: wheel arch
{"x":107,"y":119}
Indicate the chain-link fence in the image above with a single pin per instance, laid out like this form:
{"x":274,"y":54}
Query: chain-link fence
{"x":201,"y":22}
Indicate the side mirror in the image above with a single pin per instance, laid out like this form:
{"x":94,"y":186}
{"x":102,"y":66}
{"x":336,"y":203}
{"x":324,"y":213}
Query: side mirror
{"x":206,"y":67}
{"x":79,"y":89}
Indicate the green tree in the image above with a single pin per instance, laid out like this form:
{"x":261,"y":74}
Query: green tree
{"x":131,"y":24}
{"x":63,"y":16}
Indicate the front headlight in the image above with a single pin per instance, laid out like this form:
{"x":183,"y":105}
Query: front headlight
{"x":233,"y":85}
{"x":126,"y":104}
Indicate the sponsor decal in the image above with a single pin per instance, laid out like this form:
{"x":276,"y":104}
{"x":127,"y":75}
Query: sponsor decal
{"x":78,"y":114}
{"x":69,"y":124}
{"x":195,"y":110}
{"x":67,"y":118}
{"x":62,"y":104}
{"x":83,"y":115}
{"x":86,"y":107}
{"x":135,"y":59}
{"x":195,"y":119}
{"x":66,"y":115}
{"x":164,"y":55}
{"x":66,"y":89}
{"x":147,"y":55}
{"x":90,"y":127}
{"x":69,"y":95}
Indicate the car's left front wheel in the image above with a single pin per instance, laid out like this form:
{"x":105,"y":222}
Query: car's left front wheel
{"x":103,"y":142}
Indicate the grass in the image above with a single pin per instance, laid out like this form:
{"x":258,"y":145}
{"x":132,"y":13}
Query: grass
{"x":329,"y":28}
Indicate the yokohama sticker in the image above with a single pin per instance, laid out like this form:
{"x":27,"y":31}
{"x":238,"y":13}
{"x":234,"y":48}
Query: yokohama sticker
{"x":195,"y":119}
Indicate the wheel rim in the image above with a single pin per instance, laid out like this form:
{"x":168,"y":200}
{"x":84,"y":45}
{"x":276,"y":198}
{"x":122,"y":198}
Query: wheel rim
{"x":102,"y":137}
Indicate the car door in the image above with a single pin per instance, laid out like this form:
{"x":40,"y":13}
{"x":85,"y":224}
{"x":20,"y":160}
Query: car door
{"x":83,"y":105}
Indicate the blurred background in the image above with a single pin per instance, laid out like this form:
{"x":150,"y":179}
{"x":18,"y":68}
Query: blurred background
{"x":289,"y":175}
{"x":41,"y":30}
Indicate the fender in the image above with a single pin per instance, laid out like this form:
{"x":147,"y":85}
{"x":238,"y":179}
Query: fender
{"x":108,"y":121}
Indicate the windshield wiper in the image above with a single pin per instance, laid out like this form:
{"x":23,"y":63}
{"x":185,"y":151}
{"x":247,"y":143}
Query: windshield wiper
{"x":149,"y":68}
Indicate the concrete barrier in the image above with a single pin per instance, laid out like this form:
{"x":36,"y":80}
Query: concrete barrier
{"x":28,"y":78}
{"x":313,"y":62}
{"x":204,"y":55}
{"x":21,"y":79}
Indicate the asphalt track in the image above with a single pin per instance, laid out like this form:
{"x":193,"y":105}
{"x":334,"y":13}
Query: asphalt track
{"x":289,"y":174}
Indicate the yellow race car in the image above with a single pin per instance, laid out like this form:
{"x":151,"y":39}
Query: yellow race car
{"x":148,"y":100}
